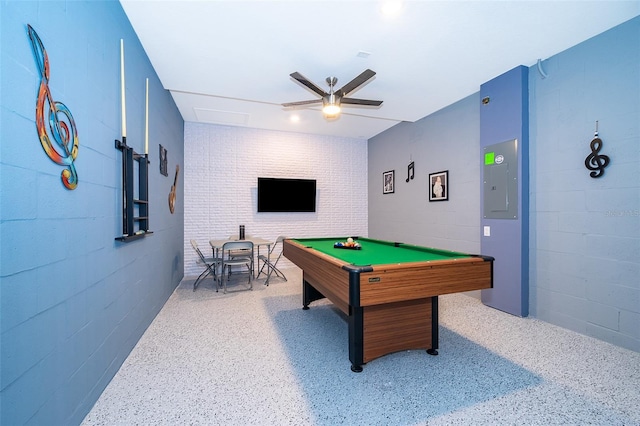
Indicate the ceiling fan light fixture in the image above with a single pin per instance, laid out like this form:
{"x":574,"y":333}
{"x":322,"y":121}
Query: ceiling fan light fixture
{"x":330,"y":107}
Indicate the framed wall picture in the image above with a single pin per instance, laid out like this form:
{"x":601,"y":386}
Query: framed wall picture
{"x":388,"y":182}
{"x":439,"y":186}
{"x":163,"y":161}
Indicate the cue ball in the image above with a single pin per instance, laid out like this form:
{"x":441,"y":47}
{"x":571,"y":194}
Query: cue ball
{"x":349,"y":240}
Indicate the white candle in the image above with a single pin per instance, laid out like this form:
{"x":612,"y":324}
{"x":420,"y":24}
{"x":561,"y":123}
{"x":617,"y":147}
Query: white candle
{"x":124,"y":108}
{"x":146,"y":121}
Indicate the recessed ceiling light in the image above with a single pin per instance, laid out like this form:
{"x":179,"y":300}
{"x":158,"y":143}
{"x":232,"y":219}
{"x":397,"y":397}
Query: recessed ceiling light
{"x":294,"y":118}
{"x":391,"y":7}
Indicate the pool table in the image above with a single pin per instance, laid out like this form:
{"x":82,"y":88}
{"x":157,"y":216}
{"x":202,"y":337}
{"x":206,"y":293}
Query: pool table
{"x":388,"y":290}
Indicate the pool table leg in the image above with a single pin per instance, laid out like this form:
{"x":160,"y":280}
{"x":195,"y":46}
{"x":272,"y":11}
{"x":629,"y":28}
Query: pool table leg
{"x":434,"y":327}
{"x":356,"y":338}
{"x":309,"y":294}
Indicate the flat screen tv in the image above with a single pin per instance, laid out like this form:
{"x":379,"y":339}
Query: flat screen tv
{"x":286,"y":195}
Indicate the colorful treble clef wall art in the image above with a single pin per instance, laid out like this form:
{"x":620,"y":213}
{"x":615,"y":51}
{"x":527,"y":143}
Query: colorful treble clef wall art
{"x":54,"y":122}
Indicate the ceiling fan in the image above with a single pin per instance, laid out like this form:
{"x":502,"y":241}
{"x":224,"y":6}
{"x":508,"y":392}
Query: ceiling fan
{"x":332,"y":100}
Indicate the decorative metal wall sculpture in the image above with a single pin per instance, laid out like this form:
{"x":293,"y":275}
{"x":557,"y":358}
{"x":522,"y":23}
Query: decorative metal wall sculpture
{"x":172,"y":194}
{"x":411,"y":171}
{"x":59,"y":138}
{"x":595,"y":161}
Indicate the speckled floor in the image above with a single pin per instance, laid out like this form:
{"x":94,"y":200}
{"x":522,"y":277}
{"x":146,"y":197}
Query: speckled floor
{"x":256,"y":358}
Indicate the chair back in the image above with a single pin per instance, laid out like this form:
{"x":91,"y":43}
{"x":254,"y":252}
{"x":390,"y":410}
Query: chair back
{"x":236,"y":253}
{"x":211,"y":264}
{"x":194,"y":244}
{"x":233,"y":249}
{"x":278,"y":240}
{"x":270,"y":263}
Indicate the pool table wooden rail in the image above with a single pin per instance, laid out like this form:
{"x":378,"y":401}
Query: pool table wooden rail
{"x":320,"y":269}
{"x":391,"y":282}
{"x":419,"y":280}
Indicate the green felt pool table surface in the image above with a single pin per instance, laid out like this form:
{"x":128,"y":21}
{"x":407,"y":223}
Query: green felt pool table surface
{"x":378,"y":252}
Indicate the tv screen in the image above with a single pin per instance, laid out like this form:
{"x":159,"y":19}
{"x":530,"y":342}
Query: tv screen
{"x":286,"y":195}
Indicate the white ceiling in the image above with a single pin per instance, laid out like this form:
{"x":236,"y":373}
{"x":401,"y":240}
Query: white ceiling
{"x":228,"y":62}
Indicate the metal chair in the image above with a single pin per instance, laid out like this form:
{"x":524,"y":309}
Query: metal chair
{"x":242,"y":253}
{"x":211,"y":264}
{"x":236,"y":253}
{"x":267,"y":260}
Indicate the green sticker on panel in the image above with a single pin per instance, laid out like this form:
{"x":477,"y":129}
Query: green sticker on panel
{"x":489,"y":158}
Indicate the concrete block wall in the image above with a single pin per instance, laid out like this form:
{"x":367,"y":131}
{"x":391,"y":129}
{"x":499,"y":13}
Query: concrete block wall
{"x":73,"y":301}
{"x":585,"y":236}
{"x":446,"y":140}
{"x":222,"y":166}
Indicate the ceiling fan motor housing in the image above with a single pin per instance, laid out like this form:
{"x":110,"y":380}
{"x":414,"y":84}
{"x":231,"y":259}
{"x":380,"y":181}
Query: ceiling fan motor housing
{"x":331,"y":81}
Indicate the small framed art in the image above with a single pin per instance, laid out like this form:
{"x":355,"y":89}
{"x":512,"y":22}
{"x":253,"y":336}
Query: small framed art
{"x":388,"y":182}
{"x":163,"y":161}
{"x":439,"y":186}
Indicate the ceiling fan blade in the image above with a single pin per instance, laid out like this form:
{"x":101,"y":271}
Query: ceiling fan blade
{"x":365,"y":76}
{"x":353,"y":101}
{"x":305,"y":82}
{"x":300,"y":103}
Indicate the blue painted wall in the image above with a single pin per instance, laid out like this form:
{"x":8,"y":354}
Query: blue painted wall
{"x":584,"y":233}
{"x":74,"y":301}
{"x":504,"y":118}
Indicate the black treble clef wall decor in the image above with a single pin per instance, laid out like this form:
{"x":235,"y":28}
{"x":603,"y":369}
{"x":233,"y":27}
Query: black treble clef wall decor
{"x":410,"y":171}
{"x":61,"y":127}
{"x":595,"y":161}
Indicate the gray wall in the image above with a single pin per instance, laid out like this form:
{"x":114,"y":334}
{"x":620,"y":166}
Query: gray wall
{"x":584,"y":232}
{"x":446,"y":140}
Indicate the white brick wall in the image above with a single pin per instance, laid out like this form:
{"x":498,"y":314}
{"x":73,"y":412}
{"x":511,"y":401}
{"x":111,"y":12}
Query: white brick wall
{"x":221,"y":168}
